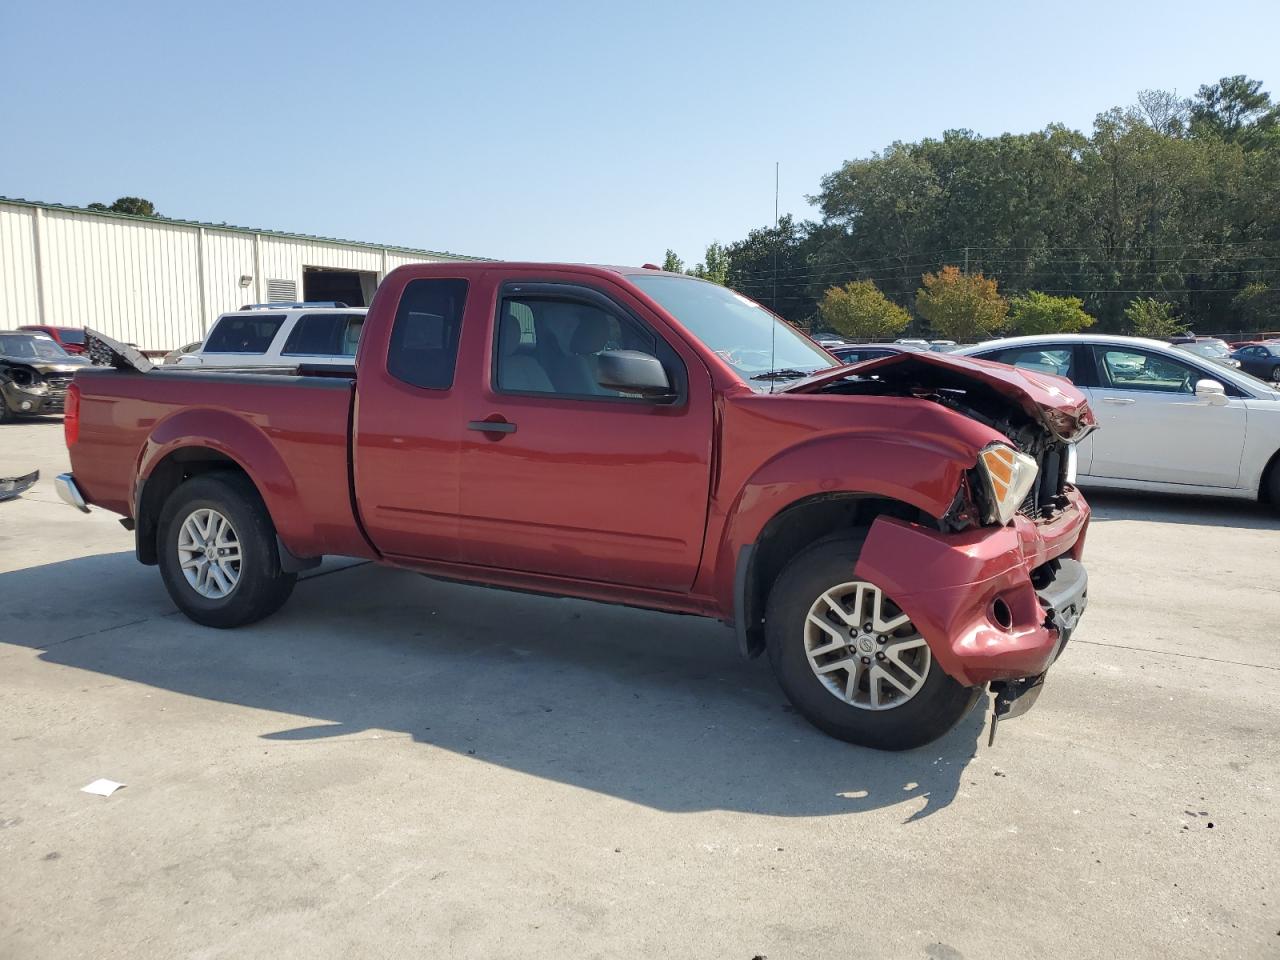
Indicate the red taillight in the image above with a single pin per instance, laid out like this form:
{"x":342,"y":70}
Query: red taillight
{"x":71,"y":415}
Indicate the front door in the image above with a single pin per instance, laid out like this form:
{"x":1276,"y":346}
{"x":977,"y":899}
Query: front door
{"x":1153,"y":427}
{"x":562,"y":476}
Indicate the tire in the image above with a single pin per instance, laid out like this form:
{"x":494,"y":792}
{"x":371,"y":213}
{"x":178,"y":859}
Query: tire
{"x":260,"y":587}
{"x":935,"y":705}
{"x":1275,"y":373}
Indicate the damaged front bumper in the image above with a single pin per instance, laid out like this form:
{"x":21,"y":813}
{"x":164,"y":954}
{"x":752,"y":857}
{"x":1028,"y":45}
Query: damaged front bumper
{"x":994,"y":603}
{"x":31,"y":401}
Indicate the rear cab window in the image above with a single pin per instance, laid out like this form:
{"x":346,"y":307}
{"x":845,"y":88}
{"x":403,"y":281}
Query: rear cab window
{"x":243,"y":333}
{"x":423,"y":349}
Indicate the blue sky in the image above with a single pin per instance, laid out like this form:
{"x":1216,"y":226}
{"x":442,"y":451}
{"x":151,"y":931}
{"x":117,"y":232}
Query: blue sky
{"x":554,"y":131}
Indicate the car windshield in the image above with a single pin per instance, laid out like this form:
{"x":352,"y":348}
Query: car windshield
{"x":759,"y":346}
{"x":1208,"y":348}
{"x":30,"y":347}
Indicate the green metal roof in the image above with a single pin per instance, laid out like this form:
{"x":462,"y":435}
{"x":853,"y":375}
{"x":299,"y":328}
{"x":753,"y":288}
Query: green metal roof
{"x":390,"y":248}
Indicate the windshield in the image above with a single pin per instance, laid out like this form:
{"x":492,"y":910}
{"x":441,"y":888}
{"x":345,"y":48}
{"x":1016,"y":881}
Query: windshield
{"x":759,"y":347}
{"x":1208,"y":348}
{"x":29,"y":347}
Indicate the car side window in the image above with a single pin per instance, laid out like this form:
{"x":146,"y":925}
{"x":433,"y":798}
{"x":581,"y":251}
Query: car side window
{"x":423,"y":350}
{"x":243,"y":334}
{"x":325,"y":335}
{"x":1059,"y":361}
{"x":1136,"y":370}
{"x":551,"y":344}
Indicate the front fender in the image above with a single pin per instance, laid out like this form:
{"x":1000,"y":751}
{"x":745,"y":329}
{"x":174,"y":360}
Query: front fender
{"x":906,"y":468}
{"x":241,"y":442}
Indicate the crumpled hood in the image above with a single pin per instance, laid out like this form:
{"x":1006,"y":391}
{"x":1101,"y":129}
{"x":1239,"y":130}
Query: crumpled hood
{"x":1052,"y":401}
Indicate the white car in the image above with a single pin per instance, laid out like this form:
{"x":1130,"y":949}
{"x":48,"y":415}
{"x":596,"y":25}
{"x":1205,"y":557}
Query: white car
{"x":1169,"y":421}
{"x":280,"y":335}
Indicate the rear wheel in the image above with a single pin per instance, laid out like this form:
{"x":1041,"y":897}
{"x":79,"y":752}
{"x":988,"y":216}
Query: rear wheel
{"x":217,"y":552}
{"x":850,"y":660}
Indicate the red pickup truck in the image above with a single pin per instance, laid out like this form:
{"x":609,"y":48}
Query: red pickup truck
{"x":896,"y":535}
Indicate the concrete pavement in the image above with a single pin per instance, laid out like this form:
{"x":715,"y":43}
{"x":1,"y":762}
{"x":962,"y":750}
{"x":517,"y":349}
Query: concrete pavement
{"x":394,"y":766}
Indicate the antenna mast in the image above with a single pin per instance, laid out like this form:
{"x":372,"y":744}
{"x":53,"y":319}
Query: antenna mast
{"x":773,"y":331}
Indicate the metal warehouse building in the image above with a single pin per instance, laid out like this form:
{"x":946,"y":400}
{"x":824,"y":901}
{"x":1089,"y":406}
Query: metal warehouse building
{"x":159,"y":282}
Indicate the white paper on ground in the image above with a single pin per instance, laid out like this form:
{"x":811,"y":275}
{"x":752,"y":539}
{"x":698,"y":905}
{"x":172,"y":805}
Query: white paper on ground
{"x":102,"y":788}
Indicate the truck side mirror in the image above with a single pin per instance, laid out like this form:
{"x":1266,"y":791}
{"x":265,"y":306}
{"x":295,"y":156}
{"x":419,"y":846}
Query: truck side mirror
{"x":1212,"y":391}
{"x":631,"y":371}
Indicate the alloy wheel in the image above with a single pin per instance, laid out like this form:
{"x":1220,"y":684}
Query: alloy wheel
{"x":209,"y":553}
{"x":864,"y":649}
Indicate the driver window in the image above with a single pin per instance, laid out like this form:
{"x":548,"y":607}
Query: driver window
{"x":1133,"y":370}
{"x":549,"y":345}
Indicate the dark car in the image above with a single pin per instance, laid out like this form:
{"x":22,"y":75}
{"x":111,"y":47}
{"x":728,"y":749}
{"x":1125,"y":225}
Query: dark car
{"x":1260,"y":359}
{"x":34,"y":374}
{"x":857,"y":352}
{"x":70,"y":339}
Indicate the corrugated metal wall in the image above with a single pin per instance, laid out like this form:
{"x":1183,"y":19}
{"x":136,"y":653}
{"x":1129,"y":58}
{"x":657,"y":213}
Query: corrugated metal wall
{"x":158,"y":285}
{"x":18,"y":295}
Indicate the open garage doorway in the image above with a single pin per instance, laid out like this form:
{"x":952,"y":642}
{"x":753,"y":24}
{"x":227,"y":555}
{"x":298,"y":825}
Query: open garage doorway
{"x":352,"y":287}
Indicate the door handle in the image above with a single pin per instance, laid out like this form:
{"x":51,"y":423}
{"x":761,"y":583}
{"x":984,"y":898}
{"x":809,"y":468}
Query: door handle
{"x":492,"y":426}
{"x":1117,"y":400}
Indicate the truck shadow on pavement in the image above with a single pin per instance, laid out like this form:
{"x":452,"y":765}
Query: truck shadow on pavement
{"x":655,"y":709}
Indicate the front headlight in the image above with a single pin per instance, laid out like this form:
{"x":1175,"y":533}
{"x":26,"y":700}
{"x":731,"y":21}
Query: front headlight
{"x":1008,"y":476}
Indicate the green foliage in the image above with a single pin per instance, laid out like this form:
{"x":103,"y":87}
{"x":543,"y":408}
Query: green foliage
{"x":134,"y":205}
{"x":1259,"y":307}
{"x":966,"y":307}
{"x":714,"y":266}
{"x":752,"y":264}
{"x":1174,"y":197}
{"x":1235,"y":109}
{"x":1036,"y":312}
{"x":1149,"y":317}
{"x":858,"y":309}
{"x":671,"y":263}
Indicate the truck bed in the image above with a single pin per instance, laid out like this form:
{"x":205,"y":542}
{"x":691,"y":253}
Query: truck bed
{"x":296,"y":421}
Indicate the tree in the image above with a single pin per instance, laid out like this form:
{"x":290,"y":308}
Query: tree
{"x":136,"y":206}
{"x":1164,"y":111}
{"x":714,"y":266}
{"x":1036,"y":312}
{"x":859,"y":309}
{"x":671,"y":263}
{"x":1153,"y":318}
{"x":1259,"y":306}
{"x":961,"y":306}
{"x":1235,"y":109}
{"x":771,"y":265}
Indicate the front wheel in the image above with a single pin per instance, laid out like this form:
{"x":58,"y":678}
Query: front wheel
{"x":1275,"y":373}
{"x":218,"y":554}
{"x":850,"y":660}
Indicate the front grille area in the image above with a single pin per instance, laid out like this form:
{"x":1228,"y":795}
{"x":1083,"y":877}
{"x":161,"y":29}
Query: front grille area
{"x":59,"y":381}
{"x":1051,"y":481}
